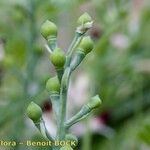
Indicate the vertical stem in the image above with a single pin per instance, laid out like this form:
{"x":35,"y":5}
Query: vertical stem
{"x":86,"y":142}
{"x":76,"y":41}
{"x":64,"y":86}
{"x":60,"y":73}
{"x":55,"y":100}
{"x":63,"y":103}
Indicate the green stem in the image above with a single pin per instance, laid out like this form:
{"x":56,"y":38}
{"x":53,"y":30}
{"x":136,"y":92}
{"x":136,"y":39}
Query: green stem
{"x":55,"y":99}
{"x":63,"y":102}
{"x":46,"y":131}
{"x":43,"y":130}
{"x":52,"y":43}
{"x":83,"y":113}
{"x":86,"y":140}
{"x":60,"y":72}
{"x":38,"y":126}
{"x":76,"y":60}
{"x":76,"y":41}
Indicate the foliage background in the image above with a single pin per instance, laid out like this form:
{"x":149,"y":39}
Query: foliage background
{"x":119,"y":68}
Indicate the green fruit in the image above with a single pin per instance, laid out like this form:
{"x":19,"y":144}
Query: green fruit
{"x":58,"y":58}
{"x":48,"y":29}
{"x":86,"y":45}
{"x":85,"y":18}
{"x":95,"y":102}
{"x":66,"y":148}
{"x":53,"y":85}
{"x":34,"y":112}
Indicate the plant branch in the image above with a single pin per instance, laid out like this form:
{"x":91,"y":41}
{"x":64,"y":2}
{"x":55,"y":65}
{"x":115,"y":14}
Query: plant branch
{"x":43,"y":130}
{"x":76,"y":41}
{"x":83,"y":113}
{"x":63,"y":102}
{"x":48,"y":48}
{"x":55,"y":99}
{"x":60,"y":72}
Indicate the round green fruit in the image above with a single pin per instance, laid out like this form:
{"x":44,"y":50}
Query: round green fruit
{"x":58,"y":58}
{"x":34,"y":112}
{"x":48,"y":29}
{"x":85,"y":18}
{"x":53,"y":85}
{"x":86,"y":45}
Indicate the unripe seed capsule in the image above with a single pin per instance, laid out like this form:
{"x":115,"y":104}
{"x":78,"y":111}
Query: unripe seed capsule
{"x":95,"y":102}
{"x":86,"y":45}
{"x":85,"y":18}
{"x":53,"y":85}
{"x":48,"y":29}
{"x":34,"y":112}
{"x":85,"y":22}
{"x":58,"y":58}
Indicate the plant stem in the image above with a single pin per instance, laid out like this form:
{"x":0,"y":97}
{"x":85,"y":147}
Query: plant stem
{"x":55,"y":99}
{"x":83,"y":113}
{"x":86,"y":141}
{"x":52,"y":43}
{"x":76,"y":41}
{"x":43,"y":130}
{"x":76,"y":60}
{"x":63,"y":102}
{"x":46,"y":131}
{"x":60,"y":73}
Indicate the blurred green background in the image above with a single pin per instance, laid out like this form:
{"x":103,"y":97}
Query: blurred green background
{"x":119,"y":69}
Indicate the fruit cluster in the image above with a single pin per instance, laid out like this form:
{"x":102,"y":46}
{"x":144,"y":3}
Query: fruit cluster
{"x":57,"y":86}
